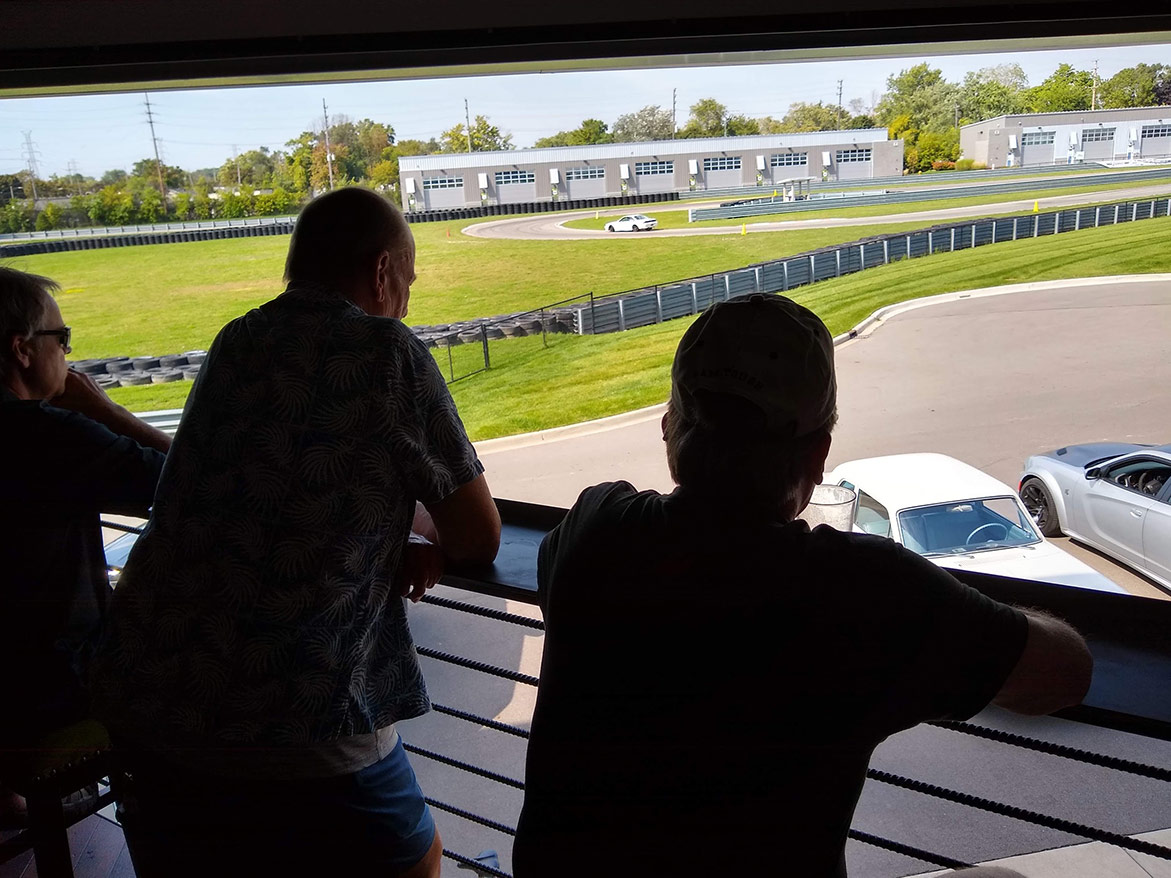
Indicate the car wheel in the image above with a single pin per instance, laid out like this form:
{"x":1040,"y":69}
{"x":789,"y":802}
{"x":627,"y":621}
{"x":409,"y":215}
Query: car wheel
{"x":1039,"y":504}
{"x":609,"y":228}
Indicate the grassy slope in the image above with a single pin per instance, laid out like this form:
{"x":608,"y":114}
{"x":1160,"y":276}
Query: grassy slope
{"x":530,"y":386}
{"x":677,"y":219}
{"x":168,"y":298}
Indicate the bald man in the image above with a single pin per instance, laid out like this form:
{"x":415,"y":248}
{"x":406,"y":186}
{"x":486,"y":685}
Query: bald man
{"x":259,"y":656}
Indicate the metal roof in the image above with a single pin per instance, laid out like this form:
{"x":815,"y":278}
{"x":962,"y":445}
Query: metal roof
{"x":640,"y":150}
{"x":1132,"y":114}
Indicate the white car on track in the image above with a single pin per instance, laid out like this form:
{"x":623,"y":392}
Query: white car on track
{"x":958,"y":517}
{"x":1114,"y":496}
{"x":635,"y":222}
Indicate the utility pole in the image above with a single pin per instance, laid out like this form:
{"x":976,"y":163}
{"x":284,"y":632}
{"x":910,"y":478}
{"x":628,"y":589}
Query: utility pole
{"x":71,"y":169}
{"x":30,"y":155}
{"x":468,"y":119}
{"x":957,"y":115}
{"x":674,"y":124}
{"x":1094,"y":88}
{"x":154,"y":140}
{"x":236,"y":158}
{"x":839,"y":105}
{"x":328,"y":149}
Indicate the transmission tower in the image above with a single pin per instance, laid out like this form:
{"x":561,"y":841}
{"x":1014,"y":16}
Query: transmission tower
{"x":328,"y":150}
{"x":154,"y":140}
{"x":839,"y":105}
{"x":71,"y":170}
{"x":30,"y":156}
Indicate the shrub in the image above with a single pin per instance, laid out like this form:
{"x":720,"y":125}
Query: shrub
{"x":49,"y":218}
{"x":943,"y":166}
{"x":965,"y":164}
{"x":979,"y":166}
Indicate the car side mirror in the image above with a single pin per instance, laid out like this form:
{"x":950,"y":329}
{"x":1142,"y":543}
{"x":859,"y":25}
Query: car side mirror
{"x":1094,"y":472}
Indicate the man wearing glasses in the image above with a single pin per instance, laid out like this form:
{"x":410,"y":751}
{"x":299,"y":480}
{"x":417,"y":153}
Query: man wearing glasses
{"x":72,"y":453}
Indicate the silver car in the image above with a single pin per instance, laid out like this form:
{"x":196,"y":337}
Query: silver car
{"x":1113,"y":496}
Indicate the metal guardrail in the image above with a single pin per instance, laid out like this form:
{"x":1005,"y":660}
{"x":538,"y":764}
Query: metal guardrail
{"x":166,"y":420}
{"x":928,"y":178}
{"x":680,"y":298}
{"x":34,"y":243}
{"x":186,"y":225}
{"x":768,"y":206}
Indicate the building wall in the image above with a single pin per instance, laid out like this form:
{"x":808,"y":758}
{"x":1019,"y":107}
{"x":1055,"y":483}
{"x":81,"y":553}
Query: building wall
{"x":1085,"y":135}
{"x":472,"y":179}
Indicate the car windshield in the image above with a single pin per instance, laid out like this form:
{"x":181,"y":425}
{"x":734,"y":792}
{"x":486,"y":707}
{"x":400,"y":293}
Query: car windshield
{"x":967,"y":526}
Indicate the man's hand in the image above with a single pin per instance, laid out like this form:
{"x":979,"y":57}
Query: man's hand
{"x":421,"y":567}
{"x":83,"y":396}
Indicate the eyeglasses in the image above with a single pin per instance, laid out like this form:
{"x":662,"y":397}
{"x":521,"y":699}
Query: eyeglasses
{"x":64,"y":334}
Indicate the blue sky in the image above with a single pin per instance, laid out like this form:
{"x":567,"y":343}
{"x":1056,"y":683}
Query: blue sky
{"x":198,"y":128}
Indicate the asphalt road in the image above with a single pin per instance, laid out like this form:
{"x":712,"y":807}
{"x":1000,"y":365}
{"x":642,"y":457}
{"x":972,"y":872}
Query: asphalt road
{"x":988,"y":380}
{"x":549,"y":227}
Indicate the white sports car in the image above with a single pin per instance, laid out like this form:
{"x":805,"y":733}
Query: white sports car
{"x":636,"y":222}
{"x":958,"y":517}
{"x":1113,"y":496}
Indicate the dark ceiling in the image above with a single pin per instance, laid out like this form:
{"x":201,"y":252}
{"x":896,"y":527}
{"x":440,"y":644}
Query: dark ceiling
{"x":70,"y":46}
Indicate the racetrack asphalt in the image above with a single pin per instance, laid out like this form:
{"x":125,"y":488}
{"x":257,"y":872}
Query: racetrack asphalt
{"x":550,"y":227}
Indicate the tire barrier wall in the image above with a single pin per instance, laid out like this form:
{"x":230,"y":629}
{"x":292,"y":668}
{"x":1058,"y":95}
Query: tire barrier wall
{"x":285,"y":226}
{"x":134,"y":239}
{"x":135,"y":371}
{"x":684,"y":297}
{"x":767,"y":206}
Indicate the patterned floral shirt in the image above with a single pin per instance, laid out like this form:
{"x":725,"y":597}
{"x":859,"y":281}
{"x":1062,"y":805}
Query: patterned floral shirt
{"x":258,"y":606}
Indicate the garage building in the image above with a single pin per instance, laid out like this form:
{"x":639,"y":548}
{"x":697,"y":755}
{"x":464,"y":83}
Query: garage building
{"x":454,"y":180}
{"x":1030,"y":139}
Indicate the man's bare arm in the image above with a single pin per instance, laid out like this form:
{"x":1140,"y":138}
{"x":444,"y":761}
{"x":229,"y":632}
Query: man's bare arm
{"x":83,"y":395}
{"x":467,"y":523}
{"x":1053,"y":672}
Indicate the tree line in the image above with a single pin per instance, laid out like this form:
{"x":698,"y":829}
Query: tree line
{"x":919,"y":106}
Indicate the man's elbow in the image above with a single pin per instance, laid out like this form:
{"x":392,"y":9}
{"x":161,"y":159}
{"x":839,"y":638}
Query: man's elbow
{"x":1054,"y":672}
{"x":476,"y":547}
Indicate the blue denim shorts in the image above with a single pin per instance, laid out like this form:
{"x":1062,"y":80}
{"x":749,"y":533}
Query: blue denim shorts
{"x":180,"y":822}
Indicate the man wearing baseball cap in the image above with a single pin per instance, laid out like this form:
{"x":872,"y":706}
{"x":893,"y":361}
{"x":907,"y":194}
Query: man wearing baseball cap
{"x":715,"y":674}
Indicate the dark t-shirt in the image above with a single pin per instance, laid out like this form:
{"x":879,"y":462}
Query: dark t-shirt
{"x":712,"y":689}
{"x":60,"y":471}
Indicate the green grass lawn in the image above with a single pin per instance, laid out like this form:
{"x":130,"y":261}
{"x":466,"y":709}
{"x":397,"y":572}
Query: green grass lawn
{"x":677,"y":219}
{"x":576,"y":378}
{"x":169,"y":298}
